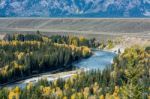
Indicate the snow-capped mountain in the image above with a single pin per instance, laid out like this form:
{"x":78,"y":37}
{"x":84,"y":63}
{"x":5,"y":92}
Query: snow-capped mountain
{"x":75,"y":8}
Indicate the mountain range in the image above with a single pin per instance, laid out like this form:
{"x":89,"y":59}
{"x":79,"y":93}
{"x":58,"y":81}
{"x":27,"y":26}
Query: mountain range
{"x":75,"y":8}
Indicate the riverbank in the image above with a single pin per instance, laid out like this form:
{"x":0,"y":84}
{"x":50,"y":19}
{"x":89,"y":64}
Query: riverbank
{"x":48,"y":76}
{"x":99,"y":60}
{"x":127,"y":42}
{"x":117,"y":49}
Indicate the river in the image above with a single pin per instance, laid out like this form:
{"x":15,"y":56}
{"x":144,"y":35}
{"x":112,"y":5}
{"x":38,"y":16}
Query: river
{"x":99,"y":60}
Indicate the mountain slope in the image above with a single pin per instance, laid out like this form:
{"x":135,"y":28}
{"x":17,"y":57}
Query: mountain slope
{"x":75,"y":8}
{"x":81,"y":25}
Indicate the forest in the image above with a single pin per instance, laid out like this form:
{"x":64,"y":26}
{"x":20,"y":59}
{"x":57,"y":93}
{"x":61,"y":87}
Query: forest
{"x":22,"y":55}
{"x":127,"y":78}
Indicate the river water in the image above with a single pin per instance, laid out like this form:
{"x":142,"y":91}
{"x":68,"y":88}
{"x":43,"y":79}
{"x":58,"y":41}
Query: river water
{"x":99,"y":60}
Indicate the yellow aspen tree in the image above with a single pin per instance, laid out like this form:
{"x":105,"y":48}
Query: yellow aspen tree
{"x":15,"y":93}
{"x":29,"y":86}
{"x":107,"y":96}
{"x":59,"y":92}
{"x":95,"y":88}
{"x":73,"y":96}
{"x":55,"y":82}
{"x":4,"y":70}
{"x":86,"y":92}
{"x":80,"y":95}
{"x":101,"y":97}
{"x":92,"y":97}
{"x":11,"y":95}
{"x":66,"y":86}
{"x":65,"y":97}
{"x":116,"y":91}
{"x":46,"y":91}
{"x":20,"y":55}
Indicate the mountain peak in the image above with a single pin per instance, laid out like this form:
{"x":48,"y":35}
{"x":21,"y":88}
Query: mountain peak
{"x":75,"y":8}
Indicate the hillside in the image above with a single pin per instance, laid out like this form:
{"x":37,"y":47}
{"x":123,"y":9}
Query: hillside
{"x":74,"y":8}
{"x":90,"y":25}
{"x":101,"y":29}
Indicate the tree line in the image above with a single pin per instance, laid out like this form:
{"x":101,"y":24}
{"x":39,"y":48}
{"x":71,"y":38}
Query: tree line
{"x":127,"y":78}
{"x":72,"y":40}
{"x":27,"y":54}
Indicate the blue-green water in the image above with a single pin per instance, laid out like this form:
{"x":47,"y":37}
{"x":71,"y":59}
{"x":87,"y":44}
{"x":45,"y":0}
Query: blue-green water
{"x":99,"y":60}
